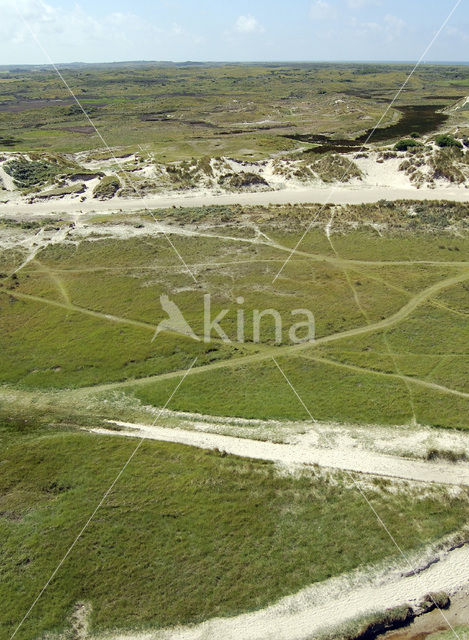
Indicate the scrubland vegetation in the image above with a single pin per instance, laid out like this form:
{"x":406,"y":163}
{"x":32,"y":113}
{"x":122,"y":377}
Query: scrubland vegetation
{"x":194,"y":111}
{"x":290,"y":123}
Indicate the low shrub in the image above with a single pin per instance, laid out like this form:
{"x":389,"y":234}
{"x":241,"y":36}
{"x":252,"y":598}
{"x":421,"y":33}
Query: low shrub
{"x":106,"y":188}
{"x":8,"y":141}
{"x":446,"y":164}
{"x":332,"y":167}
{"x":445,"y":140}
{"x":405,"y":145}
{"x":446,"y":454}
{"x":32,"y":173}
{"x":242,"y":180}
{"x":438,"y":600}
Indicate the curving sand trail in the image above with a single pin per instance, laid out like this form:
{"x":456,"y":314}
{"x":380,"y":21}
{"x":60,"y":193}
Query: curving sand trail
{"x":302,"y":453}
{"x":329,"y":604}
{"x":337,"y":601}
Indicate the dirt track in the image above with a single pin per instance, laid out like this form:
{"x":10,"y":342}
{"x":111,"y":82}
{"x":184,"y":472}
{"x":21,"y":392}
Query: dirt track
{"x":338,"y":195}
{"x":303,"y":453}
{"x":328,"y":604}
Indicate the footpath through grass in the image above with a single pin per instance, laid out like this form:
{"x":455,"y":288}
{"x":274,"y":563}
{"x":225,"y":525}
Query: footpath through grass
{"x":186,"y":534}
{"x":83,"y":313}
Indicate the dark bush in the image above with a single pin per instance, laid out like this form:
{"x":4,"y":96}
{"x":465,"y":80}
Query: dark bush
{"x":242,"y":180}
{"x":446,"y":140}
{"x":8,"y":141}
{"x":404,"y":145}
{"x":27,"y":174}
{"x":446,"y":454}
{"x":432,"y":601}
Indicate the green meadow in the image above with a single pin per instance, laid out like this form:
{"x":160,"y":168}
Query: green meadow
{"x":390,"y":315}
{"x":190,"y":534}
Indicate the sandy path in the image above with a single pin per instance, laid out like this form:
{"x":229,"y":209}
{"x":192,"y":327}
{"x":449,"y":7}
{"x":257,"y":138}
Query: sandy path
{"x":397,"y":376}
{"x":303,"y":452}
{"x":56,"y":280}
{"x":403,"y":313}
{"x":341,"y":194}
{"x":69,"y":306}
{"x":328,"y":604}
{"x":83,"y":231}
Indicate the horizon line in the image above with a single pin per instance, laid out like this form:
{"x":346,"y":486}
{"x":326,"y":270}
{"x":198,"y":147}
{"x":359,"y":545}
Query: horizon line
{"x":237,"y":62}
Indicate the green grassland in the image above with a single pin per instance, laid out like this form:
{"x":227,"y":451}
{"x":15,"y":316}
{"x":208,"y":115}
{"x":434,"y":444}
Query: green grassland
{"x":162,"y":551}
{"x":233,"y":110}
{"x":83,"y":314}
{"x":192,"y":534}
{"x":462,"y":631}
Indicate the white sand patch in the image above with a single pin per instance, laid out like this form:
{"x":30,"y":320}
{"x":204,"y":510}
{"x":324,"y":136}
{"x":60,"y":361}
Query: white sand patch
{"x":31,"y":243}
{"x":148,"y":171}
{"x":382,"y":174}
{"x":7,"y":180}
{"x":339,"y":194}
{"x":304,"y":451}
{"x":408,"y":441}
{"x":91,"y":185}
{"x":331,"y":603}
{"x":103,"y":165}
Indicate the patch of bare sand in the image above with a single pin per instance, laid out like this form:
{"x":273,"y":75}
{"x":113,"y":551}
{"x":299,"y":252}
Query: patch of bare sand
{"x":339,"y":194}
{"x":303,"y":452}
{"x":322,"y":607}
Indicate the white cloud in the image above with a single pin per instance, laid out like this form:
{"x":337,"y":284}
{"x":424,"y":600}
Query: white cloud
{"x":73,"y":34}
{"x":177,"y":30}
{"x":389,"y":29}
{"x":359,"y":4}
{"x":455,"y":32}
{"x":61,"y":26}
{"x":248,"y":24}
{"x":322,"y":10}
{"x":394,"y":26}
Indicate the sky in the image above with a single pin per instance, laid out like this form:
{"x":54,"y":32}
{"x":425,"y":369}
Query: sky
{"x":237,"y":30}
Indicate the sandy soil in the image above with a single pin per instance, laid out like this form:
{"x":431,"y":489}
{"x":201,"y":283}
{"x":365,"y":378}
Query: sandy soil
{"x":408,"y":441}
{"x":341,"y":194}
{"x":382,"y":174}
{"x":7,"y":180}
{"x":329,"y":604}
{"x":302,"y":452}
